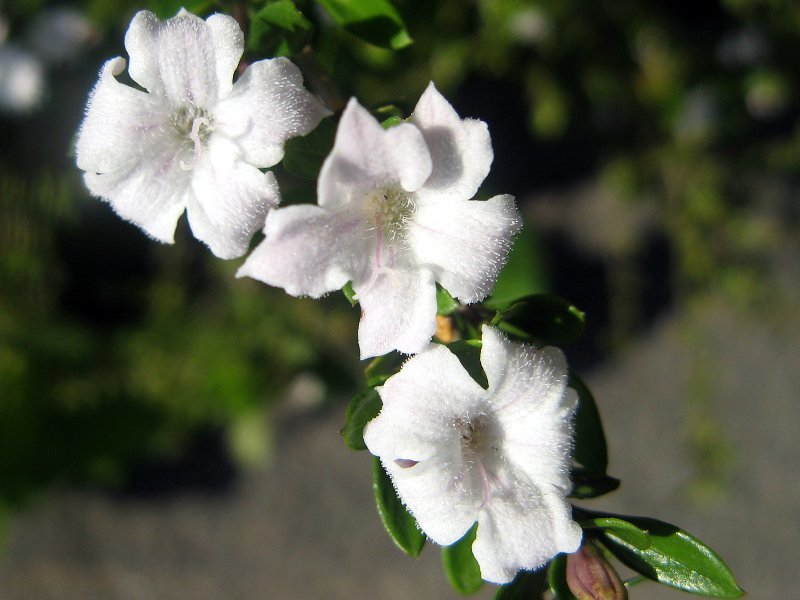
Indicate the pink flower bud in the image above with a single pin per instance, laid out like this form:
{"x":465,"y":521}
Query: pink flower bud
{"x":591,"y":577}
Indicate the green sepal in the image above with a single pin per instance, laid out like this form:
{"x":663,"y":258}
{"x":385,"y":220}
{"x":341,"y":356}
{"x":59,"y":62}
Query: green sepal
{"x":557,"y":578}
{"x":391,"y":122}
{"x":399,"y":523}
{"x":374,"y":21}
{"x":364,"y":407}
{"x":586,"y":485}
{"x":591,"y":450}
{"x":468,"y":352}
{"x":279,"y":29}
{"x":674,"y":558}
{"x":350,"y":293}
{"x":383,"y":367}
{"x":543,"y":319}
{"x":445,"y":303}
{"x":460,"y":566}
{"x":304,"y":156}
{"x":527,"y":585}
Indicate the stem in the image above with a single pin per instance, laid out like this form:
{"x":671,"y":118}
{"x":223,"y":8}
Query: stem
{"x":629,"y":583}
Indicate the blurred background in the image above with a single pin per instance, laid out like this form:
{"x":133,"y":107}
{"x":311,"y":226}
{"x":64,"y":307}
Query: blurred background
{"x":169,"y":431}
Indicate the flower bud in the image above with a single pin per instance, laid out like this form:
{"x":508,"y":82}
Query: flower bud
{"x":591,"y":577}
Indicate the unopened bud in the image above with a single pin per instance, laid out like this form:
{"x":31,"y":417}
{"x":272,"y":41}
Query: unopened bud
{"x":591,"y":577}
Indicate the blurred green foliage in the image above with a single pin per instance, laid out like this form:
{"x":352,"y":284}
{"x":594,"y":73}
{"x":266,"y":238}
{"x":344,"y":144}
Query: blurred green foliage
{"x":113,"y":348}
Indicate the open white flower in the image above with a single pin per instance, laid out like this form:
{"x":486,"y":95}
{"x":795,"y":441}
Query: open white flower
{"x":394,"y":217}
{"x":194,"y":140}
{"x":457,"y":453}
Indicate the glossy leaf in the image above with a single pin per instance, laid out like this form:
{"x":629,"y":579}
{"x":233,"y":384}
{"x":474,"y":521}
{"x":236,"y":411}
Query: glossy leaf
{"x":166,"y":9}
{"x":557,"y":578}
{"x":399,"y":523}
{"x":364,"y":407}
{"x":460,"y":566}
{"x":445,"y":303}
{"x":350,"y":293}
{"x":590,"y":450}
{"x":526,"y":585}
{"x":674,"y":558}
{"x":585,"y":485}
{"x":279,"y":29}
{"x":544,"y":319}
{"x":304,"y":155}
{"x":383,"y":367}
{"x":468,"y":353}
{"x":374,"y":21}
{"x":620,"y":528}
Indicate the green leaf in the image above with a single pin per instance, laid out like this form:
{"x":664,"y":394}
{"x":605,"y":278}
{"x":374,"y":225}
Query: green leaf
{"x":557,"y":578}
{"x":525,"y":586}
{"x":383,"y":367}
{"x":391,"y":122}
{"x":364,"y":407}
{"x":674,"y":558}
{"x":374,"y":21}
{"x":542,"y":318}
{"x":445,"y":303}
{"x":620,"y":528}
{"x":585,"y":485}
{"x":460,"y":566}
{"x":400,"y":525}
{"x":279,"y":29}
{"x":166,"y":9}
{"x":350,"y":293}
{"x":591,"y":450}
{"x":304,"y":155}
{"x":523,"y":274}
{"x":468,"y":353}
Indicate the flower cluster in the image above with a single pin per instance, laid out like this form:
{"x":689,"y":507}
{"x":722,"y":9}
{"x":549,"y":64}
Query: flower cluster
{"x":396,"y":215}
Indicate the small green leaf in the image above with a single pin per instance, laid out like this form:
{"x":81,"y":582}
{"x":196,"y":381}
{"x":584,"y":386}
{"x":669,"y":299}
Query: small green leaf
{"x":383,"y":367}
{"x":166,"y":9}
{"x":304,"y":155}
{"x":445,"y":303}
{"x":391,"y":122}
{"x":468,"y":353}
{"x":350,"y":293}
{"x":523,"y":274}
{"x":620,"y":528}
{"x":674,"y":558}
{"x":557,"y":578}
{"x":364,"y":407}
{"x":279,"y":29}
{"x":400,"y":525}
{"x":542,"y":318}
{"x":374,"y":21}
{"x":585,"y":485}
{"x":526,"y":585}
{"x":591,"y":450}
{"x":460,"y":566}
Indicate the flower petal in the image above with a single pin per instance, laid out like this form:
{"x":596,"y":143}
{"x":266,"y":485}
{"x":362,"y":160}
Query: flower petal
{"x":228,"y":41}
{"x":176,"y":57}
{"x":115,"y":115}
{"x":523,"y":530}
{"x":307,"y":251}
{"x":268,"y":105}
{"x":398,"y":311}
{"x":417,"y":425}
{"x":365,"y":157}
{"x":229,"y":200}
{"x":461,"y":150}
{"x":464,"y":242}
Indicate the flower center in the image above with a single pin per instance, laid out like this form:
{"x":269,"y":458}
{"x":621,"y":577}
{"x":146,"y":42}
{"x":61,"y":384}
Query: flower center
{"x":193,"y":123}
{"x":478,"y":448}
{"x":390,"y":208}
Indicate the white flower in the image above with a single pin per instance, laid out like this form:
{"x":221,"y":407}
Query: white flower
{"x":394,"y":217}
{"x":457,"y":453}
{"x":194,"y":140}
